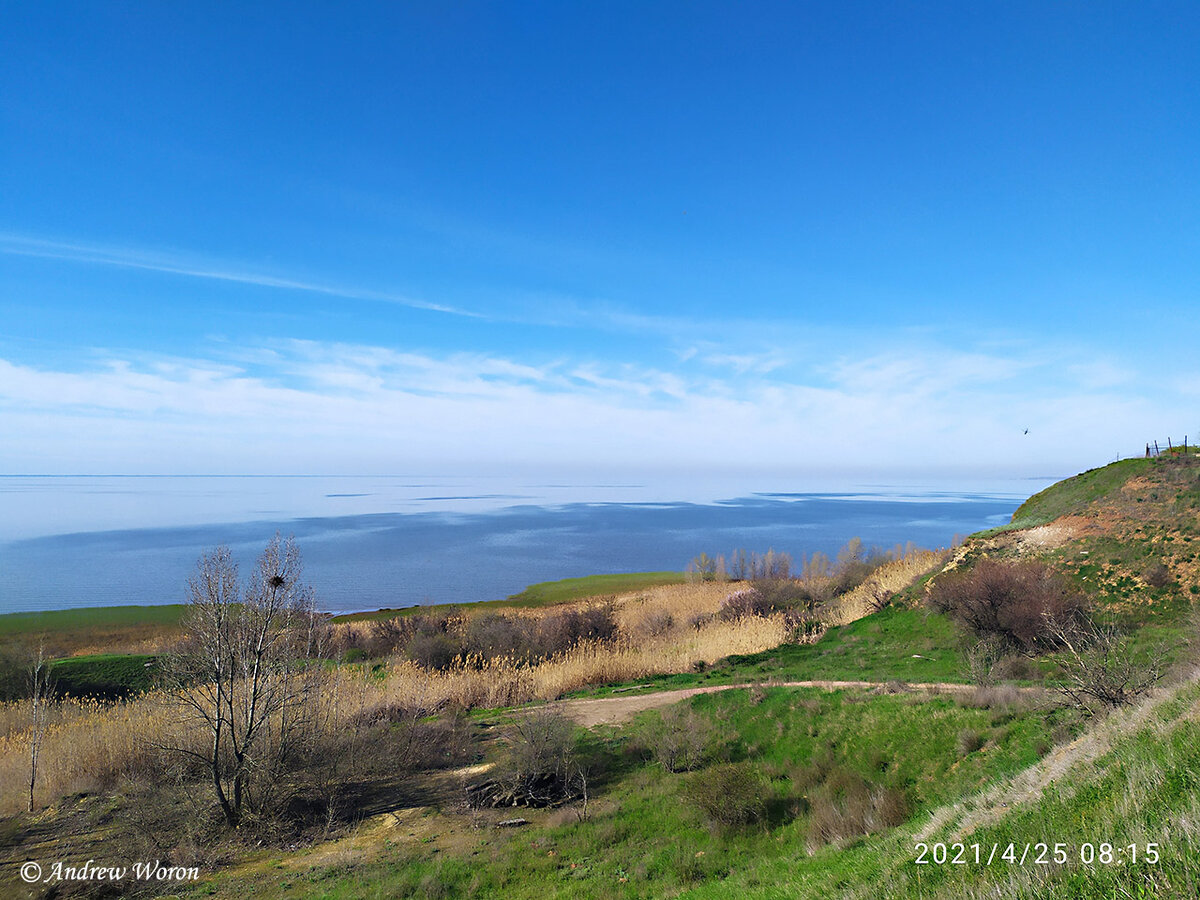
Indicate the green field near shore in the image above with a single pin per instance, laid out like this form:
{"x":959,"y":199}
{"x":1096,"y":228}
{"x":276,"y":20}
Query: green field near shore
{"x":90,"y":618}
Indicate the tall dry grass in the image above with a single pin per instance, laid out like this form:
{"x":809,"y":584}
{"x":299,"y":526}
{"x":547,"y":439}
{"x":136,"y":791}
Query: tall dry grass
{"x":885,"y":581}
{"x":88,"y":745}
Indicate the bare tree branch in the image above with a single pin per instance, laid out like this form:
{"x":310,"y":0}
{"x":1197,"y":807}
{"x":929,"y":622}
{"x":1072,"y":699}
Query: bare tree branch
{"x":1100,"y":668}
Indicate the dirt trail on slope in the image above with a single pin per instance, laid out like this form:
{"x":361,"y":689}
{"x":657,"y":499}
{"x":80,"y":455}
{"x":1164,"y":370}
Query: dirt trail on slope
{"x":1029,"y":784}
{"x":614,"y":710}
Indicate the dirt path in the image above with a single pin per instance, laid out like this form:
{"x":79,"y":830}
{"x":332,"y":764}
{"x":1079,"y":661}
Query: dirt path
{"x":614,"y":710}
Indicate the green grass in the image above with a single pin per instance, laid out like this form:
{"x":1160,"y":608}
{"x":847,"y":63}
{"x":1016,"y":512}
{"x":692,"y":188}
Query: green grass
{"x":88,"y":618}
{"x":547,"y":593}
{"x":544,"y":593}
{"x":896,"y":644}
{"x":107,"y":676}
{"x":903,"y":740}
{"x":73,"y":632}
{"x":114,"y":618}
{"x":643,"y":840}
{"x":1143,"y":790}
{"x":1073,"y":495}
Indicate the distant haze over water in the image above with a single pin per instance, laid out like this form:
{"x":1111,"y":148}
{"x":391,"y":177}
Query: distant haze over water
{"x":378,"y":541}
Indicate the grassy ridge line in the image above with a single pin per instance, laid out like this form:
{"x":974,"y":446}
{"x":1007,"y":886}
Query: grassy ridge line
{"x":1072,"y":495}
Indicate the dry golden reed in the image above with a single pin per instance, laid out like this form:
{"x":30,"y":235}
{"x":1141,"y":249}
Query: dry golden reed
{"x":883,"y":582}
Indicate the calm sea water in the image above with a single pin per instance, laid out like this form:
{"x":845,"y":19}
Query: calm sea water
{"x":371,"y":542}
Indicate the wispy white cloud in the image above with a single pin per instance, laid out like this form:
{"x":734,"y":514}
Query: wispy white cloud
{"x":927,"y":372}
{"x":315,"y":406}
{"x":184,"y":265}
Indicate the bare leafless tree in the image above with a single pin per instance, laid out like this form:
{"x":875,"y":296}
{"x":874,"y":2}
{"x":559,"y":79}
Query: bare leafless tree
{"x":983,"y":658}
{"x":1100,"y":668}
{"x":41,"y":693}
{"x":244,"y":672}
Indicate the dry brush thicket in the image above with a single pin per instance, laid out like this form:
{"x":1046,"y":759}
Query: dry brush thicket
{"x":857,"y":582}
{"x":1009,"y":601}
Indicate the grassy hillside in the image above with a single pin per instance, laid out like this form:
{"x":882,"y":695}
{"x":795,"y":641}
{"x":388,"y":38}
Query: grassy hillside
{"x":649,"y":837}
{"x":542,"y":593}
{"x":1075,"y":495}
{"x":1128,"y":534}
{"x":895,"y":644}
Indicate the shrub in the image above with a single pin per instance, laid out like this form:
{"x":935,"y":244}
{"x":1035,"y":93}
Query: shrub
{"x":1156,"y":575}
{"x":433,"y":649}
{"x":767,"y":596}
{"x":706,"y":568}
{"x":999,"y":697}
{"x":539,"y":766}
{"x":969,"y":740}
{"x":1014,"y":667}
{"x":494,"y":635}
{"x":656,"y":622}
{"x":744,"y":603}
{"x":1012,"y":602}
{"x":803,"y":627}
{"x":855,"y":564}
{"x":730,"y":795}
{"x":781,"y":594}
{"x":14,"y":675}
{"x":561,"y":631}
{"x":1100,"y":669}
{"x":679,"y":739}
{"x":982,"y":657}
{"x":846,"y":806}
{"x":387,"y":636}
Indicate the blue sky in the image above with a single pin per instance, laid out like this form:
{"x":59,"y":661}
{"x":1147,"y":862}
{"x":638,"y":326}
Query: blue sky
{"x":387,"y":237}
